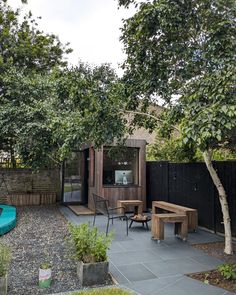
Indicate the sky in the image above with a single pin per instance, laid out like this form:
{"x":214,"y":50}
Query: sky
{"x":90,"y":26}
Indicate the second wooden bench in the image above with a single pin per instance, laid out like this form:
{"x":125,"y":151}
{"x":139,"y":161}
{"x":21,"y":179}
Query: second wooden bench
{"x":180,"y":221}
{"x":191,"y":213}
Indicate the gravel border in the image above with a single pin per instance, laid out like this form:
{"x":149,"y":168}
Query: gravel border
{"x":40,"y":230}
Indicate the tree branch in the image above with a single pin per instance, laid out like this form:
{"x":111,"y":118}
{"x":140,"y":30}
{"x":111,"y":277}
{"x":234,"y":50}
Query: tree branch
{"x":151,"y":116}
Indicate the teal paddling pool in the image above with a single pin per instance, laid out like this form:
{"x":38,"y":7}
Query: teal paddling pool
{"x":7,"y":218}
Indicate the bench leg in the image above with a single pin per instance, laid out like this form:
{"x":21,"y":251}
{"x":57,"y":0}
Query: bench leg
{"x":160,"y":230}
{"x":157,"y":228}
{"x":184,"y":230}
{"x":177,"y":229}
{"x":181,"y":229}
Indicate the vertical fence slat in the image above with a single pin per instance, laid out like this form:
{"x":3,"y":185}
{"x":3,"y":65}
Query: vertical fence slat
{"x":189,"y":184}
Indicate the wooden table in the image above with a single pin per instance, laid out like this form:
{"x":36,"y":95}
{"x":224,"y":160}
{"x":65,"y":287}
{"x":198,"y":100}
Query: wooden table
{"x":137,"y":204}
{"x":191,"y":213}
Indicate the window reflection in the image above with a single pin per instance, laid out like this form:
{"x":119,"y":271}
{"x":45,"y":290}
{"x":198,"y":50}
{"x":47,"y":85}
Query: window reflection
{"x":120,"y":166}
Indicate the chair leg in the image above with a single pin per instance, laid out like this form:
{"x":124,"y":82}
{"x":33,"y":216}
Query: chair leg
{"x":127,"y":226}
{"x":94,"y":217}
{"x":131,"y":223}
{"x":107,"y":226}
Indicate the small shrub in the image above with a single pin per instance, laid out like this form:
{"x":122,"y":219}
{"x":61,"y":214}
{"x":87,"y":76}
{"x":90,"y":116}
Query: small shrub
{"x":5,"y":259}
{"x":228,"y":271}
{"x":88,"y":243}
{"x":206,"y":281}
{"x":46,"y":262}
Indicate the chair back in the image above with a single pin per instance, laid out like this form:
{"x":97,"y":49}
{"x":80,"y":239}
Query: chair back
{"x":100,"y":205}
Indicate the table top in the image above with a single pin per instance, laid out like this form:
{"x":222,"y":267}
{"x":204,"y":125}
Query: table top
{"x":130,"y":201}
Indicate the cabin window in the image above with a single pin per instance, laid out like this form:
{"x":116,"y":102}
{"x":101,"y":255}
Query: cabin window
{"x":120,"y":166}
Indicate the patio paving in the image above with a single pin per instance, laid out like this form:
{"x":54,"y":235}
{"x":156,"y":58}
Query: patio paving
{"x":150,"y":268}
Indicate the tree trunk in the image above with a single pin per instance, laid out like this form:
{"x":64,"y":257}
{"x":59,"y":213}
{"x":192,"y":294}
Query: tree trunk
{"x":223,"y":201}
{"x":13,"y":159}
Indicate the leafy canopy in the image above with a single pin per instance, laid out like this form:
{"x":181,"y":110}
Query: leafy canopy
{"x":46,"y":109}
{"x":55,"y":114}
{"x":184,"y":53}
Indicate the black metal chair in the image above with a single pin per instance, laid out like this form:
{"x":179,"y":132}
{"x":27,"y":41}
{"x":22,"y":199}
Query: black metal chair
{"x":101,"y":206}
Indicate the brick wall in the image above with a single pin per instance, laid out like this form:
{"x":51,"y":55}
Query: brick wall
{"x":28,"y":181}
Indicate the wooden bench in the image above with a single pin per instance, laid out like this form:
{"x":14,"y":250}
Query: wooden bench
{"x":180,"y":221}
{"x":191,"y":213}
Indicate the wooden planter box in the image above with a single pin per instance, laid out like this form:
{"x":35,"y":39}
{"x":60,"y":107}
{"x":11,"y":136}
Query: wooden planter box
{"x":90,"y":274}
{"x":23,"y":199}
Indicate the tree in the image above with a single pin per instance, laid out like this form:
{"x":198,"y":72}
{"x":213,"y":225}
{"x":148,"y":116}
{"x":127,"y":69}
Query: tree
{"x":184,"y":52}
{"x":47,"y":110}
{"x":57,"y":113}
{"x":24,"y":51}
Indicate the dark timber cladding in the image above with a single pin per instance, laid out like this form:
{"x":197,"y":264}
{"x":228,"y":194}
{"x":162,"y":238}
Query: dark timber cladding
{"x":190,"y":185}
{"x":118,"y":192}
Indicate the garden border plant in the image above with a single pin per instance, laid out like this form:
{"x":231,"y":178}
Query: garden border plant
{"x":5,"y":259}
{"x":89,"y":248}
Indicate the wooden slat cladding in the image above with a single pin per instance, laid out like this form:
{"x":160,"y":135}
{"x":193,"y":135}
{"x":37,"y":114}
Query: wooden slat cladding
{"x":21,"y":199}
{"x":114,"y":193}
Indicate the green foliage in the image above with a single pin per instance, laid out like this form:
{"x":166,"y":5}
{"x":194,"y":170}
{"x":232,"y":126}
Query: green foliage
{"x":24,"y":46}
{"x":27,"y":56}
{"x":88,"y":243}
{"x":184,"y":53}
{"x":46,"y":261}
{"x":104,"y":291}
{"x":174,"y":150}
{"x":46,"y":116}
{"x":228,"y":271}
{"x":170,"y":150}
{"x":5,"y":259}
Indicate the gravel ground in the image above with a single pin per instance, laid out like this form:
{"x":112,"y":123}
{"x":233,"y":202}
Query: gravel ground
{"x":40,"y":230}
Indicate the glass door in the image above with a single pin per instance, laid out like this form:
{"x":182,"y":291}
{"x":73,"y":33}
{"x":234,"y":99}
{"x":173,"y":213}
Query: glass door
{"x":73,"y":178}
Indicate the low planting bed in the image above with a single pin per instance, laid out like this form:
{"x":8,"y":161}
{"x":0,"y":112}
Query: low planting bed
{"x":41,"y":231}
{"x":215,"y":277}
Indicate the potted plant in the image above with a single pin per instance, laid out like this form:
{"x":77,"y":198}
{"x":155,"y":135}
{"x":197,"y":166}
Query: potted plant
{"x":90,"y":251}
{"x":45,"y":273}
{"x":5,"y":259}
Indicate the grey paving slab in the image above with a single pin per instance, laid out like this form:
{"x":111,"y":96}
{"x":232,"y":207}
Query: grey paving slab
{"x":131,"y":257}
{"x":117,"y":275}
{"x":152,"y":268}
{"x":183,"y":251}
{"x":148,"y":287}
{"x":141,"y":244}
{"x":116,"y":247}
{"x":136,"y":272}
{"x":175,"y":266}
{"x":208,"y":260}
{"x":188,"y":286}
{"x":202,"y":236}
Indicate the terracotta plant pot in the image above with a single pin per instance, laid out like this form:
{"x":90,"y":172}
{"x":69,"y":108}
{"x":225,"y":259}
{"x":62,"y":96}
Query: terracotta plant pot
{"x":90,"y":274}
{"x":3,"y":285}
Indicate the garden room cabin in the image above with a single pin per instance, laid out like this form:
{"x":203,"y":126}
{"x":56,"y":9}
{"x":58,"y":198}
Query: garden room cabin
{"x":111,"y":172}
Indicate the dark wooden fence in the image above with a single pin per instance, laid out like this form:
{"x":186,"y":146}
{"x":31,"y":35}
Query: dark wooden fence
{"x":189,"y":184}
